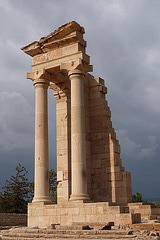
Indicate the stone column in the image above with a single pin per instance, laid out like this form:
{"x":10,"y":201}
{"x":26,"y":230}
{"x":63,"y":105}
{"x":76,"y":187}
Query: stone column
{"x":41,"y":186}
{"x":78,"y":143}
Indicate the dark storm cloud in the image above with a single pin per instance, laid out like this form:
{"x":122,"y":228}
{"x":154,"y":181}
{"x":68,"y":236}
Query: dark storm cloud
{"x":16,"y":113}
{"x":123,"y":40}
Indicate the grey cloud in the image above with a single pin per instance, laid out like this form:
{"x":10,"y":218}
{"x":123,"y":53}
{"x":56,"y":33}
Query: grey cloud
{"x":139,"y":151}
{"x":123,"y":40}
{"x":16,"y":121}
{"x":16,"y":113}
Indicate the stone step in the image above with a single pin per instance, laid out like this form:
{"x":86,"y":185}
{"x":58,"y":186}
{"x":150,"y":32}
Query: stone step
{"x":70,"y":237}
{"x":77,"y":232}
{"x":42,"y":234}
{"x":113,"y":237}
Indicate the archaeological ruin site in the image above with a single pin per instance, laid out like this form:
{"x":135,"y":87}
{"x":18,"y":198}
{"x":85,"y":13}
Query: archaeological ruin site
{"x":93,"y":186}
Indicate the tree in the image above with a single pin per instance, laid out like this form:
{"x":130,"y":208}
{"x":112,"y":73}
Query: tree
{"x":16,"y":193}
{"x":53,"y":185}
{"x":137,"y":198}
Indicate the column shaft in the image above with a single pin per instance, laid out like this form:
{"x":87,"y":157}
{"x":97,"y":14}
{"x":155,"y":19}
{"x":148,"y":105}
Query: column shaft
{"x":41,"y":186}
{"x":78,"y":143}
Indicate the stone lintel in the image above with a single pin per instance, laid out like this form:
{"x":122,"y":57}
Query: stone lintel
{"x":58,"y":53}
{"x":58,"y":77}
{"x":53,"y":65}
{"x":59,"y":37}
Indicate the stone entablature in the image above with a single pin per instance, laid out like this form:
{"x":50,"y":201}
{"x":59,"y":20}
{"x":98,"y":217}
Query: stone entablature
{"x":89,"y":167}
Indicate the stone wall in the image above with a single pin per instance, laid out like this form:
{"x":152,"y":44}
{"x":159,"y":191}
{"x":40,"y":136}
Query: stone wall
{"x":109,"y":181}
{"x":12,"y":219}
{"x":148,"y":212}
{"x":63,"y":113}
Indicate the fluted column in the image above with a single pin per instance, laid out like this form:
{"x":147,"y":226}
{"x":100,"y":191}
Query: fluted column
{"x":41,"y":187}
{"x":78,"y":143}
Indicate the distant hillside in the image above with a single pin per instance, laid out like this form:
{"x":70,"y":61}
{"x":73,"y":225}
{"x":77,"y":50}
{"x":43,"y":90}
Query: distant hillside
{"x":152,"y":200}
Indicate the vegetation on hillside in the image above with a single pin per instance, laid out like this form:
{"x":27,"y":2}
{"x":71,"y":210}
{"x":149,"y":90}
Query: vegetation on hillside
{"x":138,"y":198}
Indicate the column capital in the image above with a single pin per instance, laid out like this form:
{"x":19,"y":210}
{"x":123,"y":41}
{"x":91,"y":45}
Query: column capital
{"x":77,"y":64}
{"x":76,"y":72}
{"x":41,"y":81}
{"x":40,"y":76}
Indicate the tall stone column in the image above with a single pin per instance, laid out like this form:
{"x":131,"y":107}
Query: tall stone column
{"x":41,"y":187}
{"x":78,"y":147}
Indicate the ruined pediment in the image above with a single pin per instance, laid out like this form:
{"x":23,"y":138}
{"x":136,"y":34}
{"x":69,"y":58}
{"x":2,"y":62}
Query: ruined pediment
{"x":64,"y":35}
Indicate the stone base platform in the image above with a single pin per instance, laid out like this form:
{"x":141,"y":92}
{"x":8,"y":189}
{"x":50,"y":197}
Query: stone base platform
{"x":44,"y":215}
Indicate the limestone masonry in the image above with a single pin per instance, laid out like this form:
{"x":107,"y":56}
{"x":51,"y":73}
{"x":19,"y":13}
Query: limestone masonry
{"x":92,"y":183}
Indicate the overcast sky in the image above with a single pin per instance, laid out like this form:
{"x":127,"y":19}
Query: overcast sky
{"x":123,"y":40}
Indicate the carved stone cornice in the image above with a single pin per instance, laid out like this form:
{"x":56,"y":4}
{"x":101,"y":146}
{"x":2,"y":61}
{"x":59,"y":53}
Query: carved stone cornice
{"x":66,"y":34}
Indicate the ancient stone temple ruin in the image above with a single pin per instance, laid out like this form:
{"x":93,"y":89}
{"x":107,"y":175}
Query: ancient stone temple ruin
{"x":92,"y":183}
